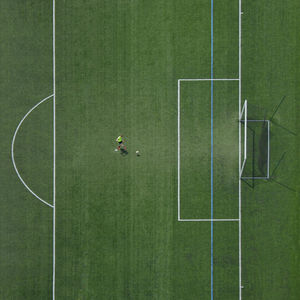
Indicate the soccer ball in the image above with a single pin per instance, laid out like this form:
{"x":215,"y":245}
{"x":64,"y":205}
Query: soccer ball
{"x":137,"y":151}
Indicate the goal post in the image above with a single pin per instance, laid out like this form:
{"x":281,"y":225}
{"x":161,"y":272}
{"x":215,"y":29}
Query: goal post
{"x":243,"y":119}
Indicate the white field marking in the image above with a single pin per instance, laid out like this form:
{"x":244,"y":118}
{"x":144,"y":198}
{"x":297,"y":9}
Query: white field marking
{"x":178,"y":150}
{"x":208,"y":220}
{"x":54,"y":150}
{"x":12,"y":151}
{"x":245,"y":130}
{"x":240,"y":182}
{"x":208,"y":79}
{"x":268,"y":171}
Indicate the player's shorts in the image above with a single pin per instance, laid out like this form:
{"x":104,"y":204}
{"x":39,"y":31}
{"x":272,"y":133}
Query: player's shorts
{"x":120,"y":143}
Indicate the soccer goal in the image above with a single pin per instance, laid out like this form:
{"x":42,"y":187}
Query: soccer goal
{"x":255,"y":146}
{"x":243,"y":120}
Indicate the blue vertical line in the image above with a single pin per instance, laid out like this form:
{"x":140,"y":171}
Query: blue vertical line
{"x":212,"y":156}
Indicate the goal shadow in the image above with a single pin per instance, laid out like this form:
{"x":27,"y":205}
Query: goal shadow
{"x":257,"y":164}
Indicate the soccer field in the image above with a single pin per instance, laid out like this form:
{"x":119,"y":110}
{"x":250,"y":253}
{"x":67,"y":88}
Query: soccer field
{"x":210,"y":207}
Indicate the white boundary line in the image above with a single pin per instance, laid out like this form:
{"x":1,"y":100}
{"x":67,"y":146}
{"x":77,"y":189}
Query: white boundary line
{"x":54,"y":150}
{"x":178,"y":153}
{"x":12,"y":150}
{"x":240,"y":181}
{"x":268,"y":171}
{"x":208,"y":220}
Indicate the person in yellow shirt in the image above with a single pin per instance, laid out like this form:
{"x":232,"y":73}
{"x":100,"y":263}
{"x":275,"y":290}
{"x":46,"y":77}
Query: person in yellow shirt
{"x":121,"y":142}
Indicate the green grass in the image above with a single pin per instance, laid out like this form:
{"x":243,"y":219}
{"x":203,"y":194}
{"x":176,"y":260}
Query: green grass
{"x":25,"y":79}
{"x":117,"y":66}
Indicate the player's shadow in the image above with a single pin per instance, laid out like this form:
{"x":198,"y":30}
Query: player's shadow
{"x":123,"y":152}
